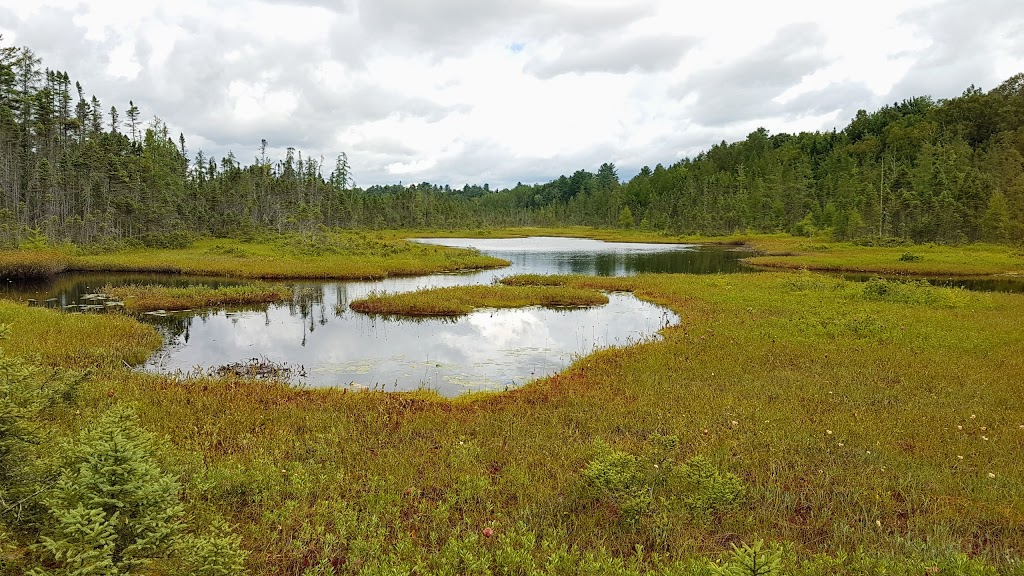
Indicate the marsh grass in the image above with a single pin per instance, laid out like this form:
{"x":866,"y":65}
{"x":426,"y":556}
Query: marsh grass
{"x":76,"y":340}
{"x":150,"y":297}
{"x":924,"y":260}
{"x":338,"y":255}
{"x":460,"y":300}
{"x":783,"y":251}
{"x":871,"y":435}
{"x":31,"y":264}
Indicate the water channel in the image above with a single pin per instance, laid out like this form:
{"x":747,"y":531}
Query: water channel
{"x":485,"y":350}
{"x":331,"y":345}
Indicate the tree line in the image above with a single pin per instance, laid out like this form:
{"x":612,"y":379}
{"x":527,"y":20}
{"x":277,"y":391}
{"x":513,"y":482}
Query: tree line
{"x":921,"y":170}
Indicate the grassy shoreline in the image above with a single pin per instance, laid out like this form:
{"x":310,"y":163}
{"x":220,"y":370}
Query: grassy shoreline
{"x":339,"y":256}
{"x":77,"y":341}
{"x":874,"y":428}
{"x":782,"y":251}
{"x":151,"y":297}
{"x":461,"y":300}
{"x":877,"y":422}
{"x":346,"y":255}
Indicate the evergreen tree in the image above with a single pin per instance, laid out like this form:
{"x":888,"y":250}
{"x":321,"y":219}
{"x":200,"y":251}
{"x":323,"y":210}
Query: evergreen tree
{"x":626,"y":218}
{"x":114,"y":509}
{"x":995,"y":225}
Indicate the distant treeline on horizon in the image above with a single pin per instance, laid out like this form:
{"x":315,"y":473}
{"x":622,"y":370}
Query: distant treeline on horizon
{"x":920,"y":170}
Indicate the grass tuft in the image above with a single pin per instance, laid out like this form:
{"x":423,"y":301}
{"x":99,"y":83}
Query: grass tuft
{"x":31,"y":264}
{"x":149,"y":297}
{"x":459,"y":300}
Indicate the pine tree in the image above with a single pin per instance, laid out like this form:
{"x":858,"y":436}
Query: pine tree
{"x":25,"y":392}
{"x":114,"y":509}
{"x":133,"y":120}
{"x":626,"y":219}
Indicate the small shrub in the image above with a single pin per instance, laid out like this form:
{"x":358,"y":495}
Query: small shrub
{"x":218,"y":553}
{"x":221,"y":250}
{"x":36,"y":240}
{"x":918,"y":292}
{"x":708,"y":492}
{"x":113,"y":509}
{"x":751,"y":560}
{"x":655,"y":483}
{"x":814,"y":247}
{"x":26,"y":393}
{"x":909,"y":257}
{"x":878,"y":288}
{"x":618,"y":478}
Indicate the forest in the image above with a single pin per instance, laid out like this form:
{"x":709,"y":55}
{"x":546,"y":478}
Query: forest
{"x":922,"y":170}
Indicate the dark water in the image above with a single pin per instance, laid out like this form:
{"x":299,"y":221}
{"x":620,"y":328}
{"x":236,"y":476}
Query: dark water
{"x":543,"y":255}
{"x":488,"y":349}
{"x":998,"y":284}
{"x":67,"y":289}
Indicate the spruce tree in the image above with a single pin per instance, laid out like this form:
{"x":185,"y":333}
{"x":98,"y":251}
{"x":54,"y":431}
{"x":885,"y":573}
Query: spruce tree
{"x":114,"y":509}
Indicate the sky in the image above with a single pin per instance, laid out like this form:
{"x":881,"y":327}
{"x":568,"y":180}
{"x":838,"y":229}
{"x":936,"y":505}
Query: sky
{"x":506,"y":91}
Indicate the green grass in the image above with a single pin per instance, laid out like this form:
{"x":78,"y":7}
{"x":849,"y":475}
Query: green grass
{"x":795,"y":252}
{"x":362,"y":255}
{"x":149,"y":297}
{"x":336,"y":255}
{"x":874,"y":427}
{"x":460,"y":300}
{"x":76,"y":340}
{"x":857,"y":418}
{"x":31,"y":264}
{"x":925,"y":260}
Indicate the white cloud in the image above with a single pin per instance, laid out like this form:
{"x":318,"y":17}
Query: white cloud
{"x":456,"y":91}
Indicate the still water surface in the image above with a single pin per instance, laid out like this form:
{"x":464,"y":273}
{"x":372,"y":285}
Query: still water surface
{"x":485,"y":350}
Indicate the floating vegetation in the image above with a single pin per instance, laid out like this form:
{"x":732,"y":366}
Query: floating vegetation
{"x":260,"y":368}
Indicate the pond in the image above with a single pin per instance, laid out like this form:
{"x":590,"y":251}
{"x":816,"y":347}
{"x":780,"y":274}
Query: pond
{"x":485,"y":350}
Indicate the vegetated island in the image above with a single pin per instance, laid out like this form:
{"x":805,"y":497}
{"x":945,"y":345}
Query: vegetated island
{"x":461,"y":300}
{"x":338,"y":255}
{"x":153,"y":297}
